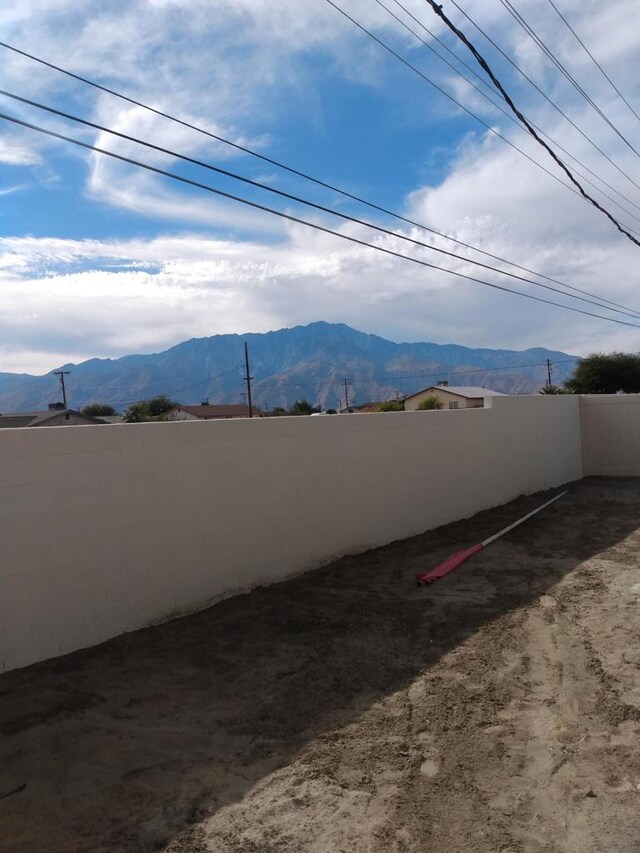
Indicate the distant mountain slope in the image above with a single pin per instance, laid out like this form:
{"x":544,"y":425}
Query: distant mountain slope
{"x":305,"y":361}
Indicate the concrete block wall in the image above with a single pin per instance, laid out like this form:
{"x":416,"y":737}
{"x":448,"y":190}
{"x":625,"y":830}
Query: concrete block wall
{"x":106,"y":529}
{"x":611,"y":434}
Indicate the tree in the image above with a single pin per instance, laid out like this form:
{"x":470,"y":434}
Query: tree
{"x":97,"y":409}
{"x":303,"y":407}
{"x":606,"y":374}
{"x":553,"y":389}
{"x":429,"y":404}
{"x":136,"y":413}
{"x":391,"y":406}
{"x":148,"y":410}
{"x":160,"y":405}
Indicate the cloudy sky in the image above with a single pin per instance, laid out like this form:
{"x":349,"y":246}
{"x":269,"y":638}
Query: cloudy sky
{"x":101,"y":258}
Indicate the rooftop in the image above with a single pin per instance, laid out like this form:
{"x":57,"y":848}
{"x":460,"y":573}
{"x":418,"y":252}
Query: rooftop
{"x":39,"y":418}
{"x":349,"y":709}
{"x":217,"y":411}
{"x":462,"y":391}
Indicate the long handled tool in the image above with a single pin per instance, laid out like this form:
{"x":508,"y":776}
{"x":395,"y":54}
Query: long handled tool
{"x":459,"y":557}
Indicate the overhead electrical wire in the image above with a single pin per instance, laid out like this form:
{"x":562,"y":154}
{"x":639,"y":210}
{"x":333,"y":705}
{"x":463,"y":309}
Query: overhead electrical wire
{"x":297,"y":172}
{"x":450,"y":97}
{"x":544,"y":94}
{"x":501,"y":109}
{"x":430,"y":47}
{"x":290,"y":218}
{"x":211,"y":378}
{"x":272,"y":379}
{"x":323,"y":208}
{"x":484,"y":65}
{"x":579,"y":191}
{"x":592,"y":57}
{"x":478,"y":370}
{"x":533,"y":35}
{"x":440,"y":41}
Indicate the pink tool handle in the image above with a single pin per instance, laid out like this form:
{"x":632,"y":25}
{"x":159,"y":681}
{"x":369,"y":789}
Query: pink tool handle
{"x":448,"y":565}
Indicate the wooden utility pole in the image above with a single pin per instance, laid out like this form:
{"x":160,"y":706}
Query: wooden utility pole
{"x":62,"y":374}
{"x":248,"y":378}
{"x":549,"y":366}
{"x":346,"y":393}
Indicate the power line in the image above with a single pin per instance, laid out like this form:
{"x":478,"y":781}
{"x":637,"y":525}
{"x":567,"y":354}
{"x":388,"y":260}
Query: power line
{"x":308,"y":177}
{"x":544,"y":94}
{"x":393,"y":377}
{"x":440,"y":57}
{"x":290,"y":218}
{"x":323,"y":208}
{"x":463,"y":372}
{"x":483,"y":63}
{"x":447,"y":95}
{"x":592,"y":57}
{"x":626,"y":230}
{"x":437,"y":39}
{"x":210,"y":378}
{"x":501,"y":109}
{"x":563,"y":70}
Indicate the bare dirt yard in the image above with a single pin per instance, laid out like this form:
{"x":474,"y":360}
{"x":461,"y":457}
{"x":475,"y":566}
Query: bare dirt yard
{"x":349,"y":710}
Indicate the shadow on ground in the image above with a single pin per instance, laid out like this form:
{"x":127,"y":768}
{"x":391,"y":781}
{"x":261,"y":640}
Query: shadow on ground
{"x":127,"y":746}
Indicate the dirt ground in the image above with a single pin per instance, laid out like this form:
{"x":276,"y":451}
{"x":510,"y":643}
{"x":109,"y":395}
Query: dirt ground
{"x":349,"y":710}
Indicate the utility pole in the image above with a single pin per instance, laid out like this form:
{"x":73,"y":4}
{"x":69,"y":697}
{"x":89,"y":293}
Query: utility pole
{"x":248,"y":378}
{"x":62,"y":374}
{"x":549,"y":370}
{"x":346,"y":393}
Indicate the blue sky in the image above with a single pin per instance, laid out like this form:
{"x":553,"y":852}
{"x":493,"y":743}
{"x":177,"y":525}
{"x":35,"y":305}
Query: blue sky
{"x":100,"y":259}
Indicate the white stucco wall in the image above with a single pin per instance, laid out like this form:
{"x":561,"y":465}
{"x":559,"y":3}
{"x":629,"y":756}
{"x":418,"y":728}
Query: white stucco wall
{"x":106,"y":529}
{"x":611,"y":434}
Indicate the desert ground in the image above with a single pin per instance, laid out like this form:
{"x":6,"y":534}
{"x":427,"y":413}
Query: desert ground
{"x":350,"y":711}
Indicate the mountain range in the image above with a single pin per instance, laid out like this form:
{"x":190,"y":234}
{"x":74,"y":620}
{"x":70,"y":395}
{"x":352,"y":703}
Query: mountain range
{"x":308,"y":362}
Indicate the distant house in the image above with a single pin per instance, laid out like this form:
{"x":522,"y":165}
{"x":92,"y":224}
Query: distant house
{"x":452,"y":396}
{"x":56,"y":415}
{"x":206,"y":413}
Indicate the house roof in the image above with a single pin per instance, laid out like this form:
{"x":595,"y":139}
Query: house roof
{"x":205,"y":412}
{"x":29,"y":419}
{"x":468,"y":391}
{"x":17,"y":419}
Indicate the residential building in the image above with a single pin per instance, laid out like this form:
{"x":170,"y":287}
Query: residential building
{"x":206,"y":412}
{"x":55,"y":415}
{"x":452,"y":396}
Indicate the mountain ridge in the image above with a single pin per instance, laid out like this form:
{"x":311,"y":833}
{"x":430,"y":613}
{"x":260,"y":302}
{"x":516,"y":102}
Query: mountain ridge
{"x":287,"y":364}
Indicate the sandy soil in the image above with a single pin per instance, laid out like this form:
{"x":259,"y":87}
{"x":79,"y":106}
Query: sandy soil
{"x":349,"y":710}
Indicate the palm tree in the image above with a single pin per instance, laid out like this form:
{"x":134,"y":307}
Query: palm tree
{"x":553,"y":389}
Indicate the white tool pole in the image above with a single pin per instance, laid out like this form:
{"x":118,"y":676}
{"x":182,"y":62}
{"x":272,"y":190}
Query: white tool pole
{"x":521,"y":520}
{"x":459,"y":557}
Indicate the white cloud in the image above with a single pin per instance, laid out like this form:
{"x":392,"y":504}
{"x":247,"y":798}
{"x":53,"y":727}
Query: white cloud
{"x":14,"y":153}
{"x":67,"y":299}
{"x":110,"y":299}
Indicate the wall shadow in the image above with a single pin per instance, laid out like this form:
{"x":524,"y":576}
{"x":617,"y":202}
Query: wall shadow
{"x":125,"y":746}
